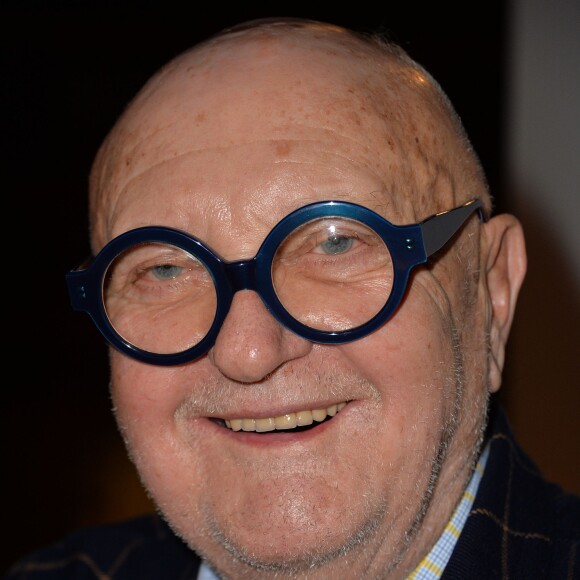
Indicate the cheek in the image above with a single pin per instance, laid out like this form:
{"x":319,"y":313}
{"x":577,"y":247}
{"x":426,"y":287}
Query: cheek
{"x":415,"y":348}
{"x":141,"y":393}
{"x":414,"y":366}
{"x":145,"y":399}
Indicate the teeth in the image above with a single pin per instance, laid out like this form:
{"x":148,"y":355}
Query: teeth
{"x":284,"y":422}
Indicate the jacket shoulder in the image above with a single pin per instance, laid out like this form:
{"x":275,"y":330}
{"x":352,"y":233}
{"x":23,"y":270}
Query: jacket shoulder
{"x":521,"y":525}
{"x":143,"y":548}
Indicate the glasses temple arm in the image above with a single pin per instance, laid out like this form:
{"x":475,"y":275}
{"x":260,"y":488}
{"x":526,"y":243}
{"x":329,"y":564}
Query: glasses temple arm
{"x":437,"y":230}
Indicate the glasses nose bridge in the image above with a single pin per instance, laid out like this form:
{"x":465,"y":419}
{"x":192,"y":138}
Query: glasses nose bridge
{"x":241,"y":275}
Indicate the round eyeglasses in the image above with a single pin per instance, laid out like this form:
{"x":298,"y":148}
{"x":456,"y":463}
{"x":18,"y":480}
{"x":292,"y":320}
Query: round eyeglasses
{"x":332,"y":272}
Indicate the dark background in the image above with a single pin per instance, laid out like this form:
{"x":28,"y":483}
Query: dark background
{"x":68,"y":69}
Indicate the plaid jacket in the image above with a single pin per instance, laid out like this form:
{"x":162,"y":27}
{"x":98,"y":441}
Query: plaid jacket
{"x":520,"y":528}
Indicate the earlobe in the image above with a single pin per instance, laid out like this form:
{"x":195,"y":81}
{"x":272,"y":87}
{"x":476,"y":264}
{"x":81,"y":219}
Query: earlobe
{"x":505,"y":268}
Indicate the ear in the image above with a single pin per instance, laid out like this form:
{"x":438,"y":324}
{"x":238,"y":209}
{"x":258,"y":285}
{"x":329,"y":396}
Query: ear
{"x":505,"y":267}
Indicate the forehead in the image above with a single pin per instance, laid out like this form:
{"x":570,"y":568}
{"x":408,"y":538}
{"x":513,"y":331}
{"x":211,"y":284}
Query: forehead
{"x":249,"y":129}
{"x":241,"y":91}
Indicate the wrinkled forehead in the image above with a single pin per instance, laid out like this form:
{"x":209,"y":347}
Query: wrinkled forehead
{"x":325,"y":89}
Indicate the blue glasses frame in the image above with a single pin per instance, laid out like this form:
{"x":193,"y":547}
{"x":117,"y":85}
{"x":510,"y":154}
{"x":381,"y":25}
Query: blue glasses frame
{"x":409,"y":245}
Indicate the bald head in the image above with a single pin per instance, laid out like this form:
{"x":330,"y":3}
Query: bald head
{"x":274,"y":81}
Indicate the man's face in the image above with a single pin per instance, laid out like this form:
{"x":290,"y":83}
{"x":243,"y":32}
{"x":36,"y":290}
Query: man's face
{"x":225,"y":161}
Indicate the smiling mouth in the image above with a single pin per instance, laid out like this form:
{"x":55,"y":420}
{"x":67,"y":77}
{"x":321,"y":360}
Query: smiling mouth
{"x":296,"y":420}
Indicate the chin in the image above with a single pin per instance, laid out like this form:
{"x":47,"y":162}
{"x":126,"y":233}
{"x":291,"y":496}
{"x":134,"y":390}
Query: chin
{"x":307,"y":531}
{"x":282,"y":552}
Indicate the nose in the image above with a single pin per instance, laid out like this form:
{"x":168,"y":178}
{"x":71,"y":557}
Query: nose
{"x":252,"y":343}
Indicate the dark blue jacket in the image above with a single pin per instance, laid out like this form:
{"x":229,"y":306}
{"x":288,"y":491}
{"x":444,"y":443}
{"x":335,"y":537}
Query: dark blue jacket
{"x":520,"y":528}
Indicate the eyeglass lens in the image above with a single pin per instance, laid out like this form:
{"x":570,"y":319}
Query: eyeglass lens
{"x":331,"y":274}
{"x":159,"y":298}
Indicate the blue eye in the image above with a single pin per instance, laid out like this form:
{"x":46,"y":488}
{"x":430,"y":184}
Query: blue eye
{"x":166,"y":271}
{"x":337,"y":245}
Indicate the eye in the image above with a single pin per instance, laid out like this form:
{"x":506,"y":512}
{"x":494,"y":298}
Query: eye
{"x":166,"y":271}
{"x":335,"y":245}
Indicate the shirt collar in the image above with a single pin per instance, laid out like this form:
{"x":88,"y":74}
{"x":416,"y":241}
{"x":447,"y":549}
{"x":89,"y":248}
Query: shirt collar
{"x":432,"y":565}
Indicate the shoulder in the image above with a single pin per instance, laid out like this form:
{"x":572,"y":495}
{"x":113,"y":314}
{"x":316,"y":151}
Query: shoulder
{"x":143,"y":548}
{"x":521,"y":525}
{"x":514,"y":483}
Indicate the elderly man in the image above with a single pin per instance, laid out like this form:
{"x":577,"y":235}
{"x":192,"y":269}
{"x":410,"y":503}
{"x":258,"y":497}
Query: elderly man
{"x":307,"y":303}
